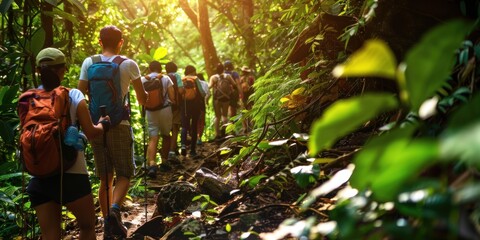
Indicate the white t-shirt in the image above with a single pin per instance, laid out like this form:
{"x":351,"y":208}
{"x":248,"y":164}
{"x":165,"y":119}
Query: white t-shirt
{"x":80,"y":166}
{"x":166,"y":83}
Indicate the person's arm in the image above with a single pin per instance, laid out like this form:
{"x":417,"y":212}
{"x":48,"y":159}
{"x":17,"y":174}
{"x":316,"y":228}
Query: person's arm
{"x":91,"y":130}
{"x":142,"y":95}
{"x":83,"y":86}
{"x":171,"y":94}
{"x":212,"y":81}
{"x":83,"y":82}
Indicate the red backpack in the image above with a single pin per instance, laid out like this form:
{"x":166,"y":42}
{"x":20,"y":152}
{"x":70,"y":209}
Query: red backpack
{"x":44,"y":118}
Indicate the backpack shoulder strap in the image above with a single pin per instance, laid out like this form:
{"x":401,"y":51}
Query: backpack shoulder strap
{"x":119,"y":59}
{"x":96,"y":58}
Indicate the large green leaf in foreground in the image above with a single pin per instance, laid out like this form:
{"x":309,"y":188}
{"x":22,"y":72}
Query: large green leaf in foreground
{"x":391,"y":160}
{"x":430,"y":62}
{"x":344,"y":116}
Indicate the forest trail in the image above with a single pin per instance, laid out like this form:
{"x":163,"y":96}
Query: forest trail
{"x":133,"y":210}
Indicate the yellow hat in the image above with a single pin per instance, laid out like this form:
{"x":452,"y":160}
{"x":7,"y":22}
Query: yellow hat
{"x":50,"y":56}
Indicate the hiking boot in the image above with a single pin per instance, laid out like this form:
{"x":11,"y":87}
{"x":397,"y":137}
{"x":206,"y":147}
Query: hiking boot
{"x":116,"y":226}
{"x":152,"y":172}
{"x":171,"y":155}
{"x":183,"y":150}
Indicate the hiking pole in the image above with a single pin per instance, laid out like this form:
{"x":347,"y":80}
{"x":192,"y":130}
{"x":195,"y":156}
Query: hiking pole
{"x":105,"y":154}
{"x":145,"y":162}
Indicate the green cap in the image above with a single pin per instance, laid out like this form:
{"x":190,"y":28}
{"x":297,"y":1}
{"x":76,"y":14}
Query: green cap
{"x":50,"y":56}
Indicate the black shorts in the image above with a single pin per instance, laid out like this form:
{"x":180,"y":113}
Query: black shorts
{"x":234,"y":99}
{"x":43,"y":190}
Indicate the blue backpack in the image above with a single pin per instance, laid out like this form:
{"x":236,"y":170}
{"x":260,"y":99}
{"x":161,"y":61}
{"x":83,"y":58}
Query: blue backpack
{"x":105,"y":89}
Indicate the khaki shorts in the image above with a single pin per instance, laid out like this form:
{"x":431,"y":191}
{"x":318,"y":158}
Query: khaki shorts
{"x":159,"y":122}
{"x":176,"y":119}
{"x":119,"y":152}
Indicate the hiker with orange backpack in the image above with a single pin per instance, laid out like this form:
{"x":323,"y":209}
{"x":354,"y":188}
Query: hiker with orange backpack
{"x":159,"y":115}
{"x":191,"y":111}
{"x":58,"y":178}
{"x":106,"y":79}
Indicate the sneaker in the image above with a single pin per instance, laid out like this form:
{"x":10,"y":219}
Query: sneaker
{"x":183,"y":150}
{"x":152,"y":172}
{"x":199,"y":142}
{"x":115,"y":223}
{"x":171,"y":155}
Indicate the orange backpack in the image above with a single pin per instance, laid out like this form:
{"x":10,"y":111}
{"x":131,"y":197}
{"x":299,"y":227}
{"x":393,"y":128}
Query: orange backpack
{"x":44,"y":118}
{"x":156,"y":99}
{"x":190,"y":87}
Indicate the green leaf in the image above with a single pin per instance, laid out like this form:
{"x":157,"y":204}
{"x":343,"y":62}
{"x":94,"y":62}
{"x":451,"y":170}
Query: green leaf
{"x":467,"y":114}
{"x":264,"y":145}
{"x":5,"y":5}
{"x":430,"y":61}
{"x":399,"y":162}
{"x":79,"y":6}
{"x":70,"y":17}
{"x":375,"y":59}
{"x":304,"y":173}
{"x":37,"y":41}
{"x":160,"y":53}
{"x":344,"y":116}
{"x":367,"y":160}
{"x":253,"y":181}
{"x":468,"y":194}
{"x":462,"y":145}
{"x":7,"y":132}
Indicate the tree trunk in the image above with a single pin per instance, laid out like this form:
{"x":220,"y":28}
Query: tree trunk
{"x":47,"y":23}
{"x":68,"y":28}
{"x":248,"y":34}
{"x":202,"y":23}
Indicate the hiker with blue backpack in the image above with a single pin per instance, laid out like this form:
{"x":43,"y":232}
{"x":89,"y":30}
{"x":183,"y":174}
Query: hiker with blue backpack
{"x":50,"y":115}
{"x":159,"y":115}
{"x":106,"y":79}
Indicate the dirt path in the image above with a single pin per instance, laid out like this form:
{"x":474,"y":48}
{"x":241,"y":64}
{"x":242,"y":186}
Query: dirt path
{"x":133,"y":210}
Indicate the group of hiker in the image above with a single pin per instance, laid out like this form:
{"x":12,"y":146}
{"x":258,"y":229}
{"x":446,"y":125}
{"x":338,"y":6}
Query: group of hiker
{"x":52,"y":115}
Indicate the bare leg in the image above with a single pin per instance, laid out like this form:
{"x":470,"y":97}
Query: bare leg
{"x":166,"y":140}
{"x":152,"y":150}
{"x":102,"y":193}
{"x":48,"y":215}
{"x":121,"y":188}
{"x":84,"y":211}
{"x":175,"y":130}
